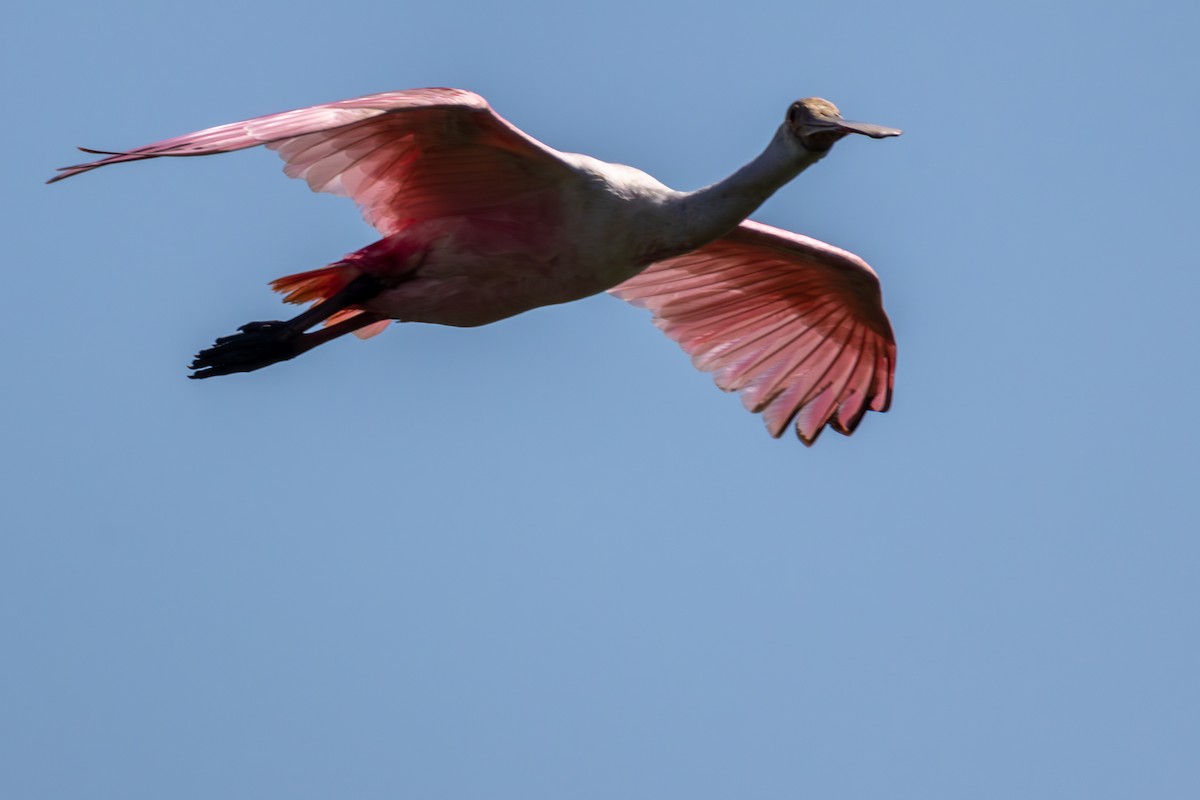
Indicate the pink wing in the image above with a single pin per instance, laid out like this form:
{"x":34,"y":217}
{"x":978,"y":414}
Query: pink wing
{"x":795,"y":325}
{"x":415,"y":154}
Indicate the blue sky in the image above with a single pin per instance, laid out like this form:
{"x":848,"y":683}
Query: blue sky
{"x":546,"y":558}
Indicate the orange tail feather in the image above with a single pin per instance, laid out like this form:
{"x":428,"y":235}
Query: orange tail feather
{"x":319,"y":284}
{"x":316,"y":284}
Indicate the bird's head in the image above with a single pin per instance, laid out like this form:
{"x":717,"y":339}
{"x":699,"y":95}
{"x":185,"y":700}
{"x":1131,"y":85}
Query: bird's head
{"x":817,"y":123}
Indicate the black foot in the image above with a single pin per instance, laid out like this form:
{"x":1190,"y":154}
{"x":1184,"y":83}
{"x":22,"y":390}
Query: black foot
{"x":258,"y":345}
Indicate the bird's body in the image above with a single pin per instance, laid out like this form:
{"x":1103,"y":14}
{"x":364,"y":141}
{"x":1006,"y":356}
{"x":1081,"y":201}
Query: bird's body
{"x":588,"y":234}
{"x":481,"y":222}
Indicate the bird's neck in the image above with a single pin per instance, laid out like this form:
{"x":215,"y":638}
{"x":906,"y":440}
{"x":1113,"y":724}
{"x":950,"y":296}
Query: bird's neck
{"x":709,"y":213}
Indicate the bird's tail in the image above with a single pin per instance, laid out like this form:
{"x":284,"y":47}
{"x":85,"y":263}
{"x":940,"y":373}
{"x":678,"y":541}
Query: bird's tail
{"x":316,"y":284}
{"x":319,"y":284}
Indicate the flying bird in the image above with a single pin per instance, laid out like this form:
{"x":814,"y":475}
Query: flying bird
{"x":480,"y":222}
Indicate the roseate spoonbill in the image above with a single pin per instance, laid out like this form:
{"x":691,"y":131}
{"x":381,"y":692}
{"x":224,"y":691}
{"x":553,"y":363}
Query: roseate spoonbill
{"x":481,"y":221}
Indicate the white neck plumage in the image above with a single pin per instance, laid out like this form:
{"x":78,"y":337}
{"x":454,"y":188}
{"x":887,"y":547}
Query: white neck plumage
{"x":709,"y":213}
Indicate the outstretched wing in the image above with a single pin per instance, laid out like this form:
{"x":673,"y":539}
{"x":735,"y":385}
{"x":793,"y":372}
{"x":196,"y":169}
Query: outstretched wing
{"x":794,"y":325}
{"x":414,"y":154}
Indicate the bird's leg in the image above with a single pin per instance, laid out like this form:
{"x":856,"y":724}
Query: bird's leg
{"x":261,"y":344}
